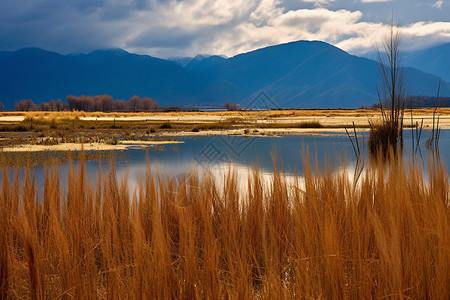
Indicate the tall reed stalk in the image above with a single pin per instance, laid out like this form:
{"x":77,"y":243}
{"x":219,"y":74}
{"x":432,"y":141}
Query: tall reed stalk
{"x":386,"y":237}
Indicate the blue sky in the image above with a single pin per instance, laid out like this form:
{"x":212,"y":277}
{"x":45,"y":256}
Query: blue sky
{"x":187,"y":27}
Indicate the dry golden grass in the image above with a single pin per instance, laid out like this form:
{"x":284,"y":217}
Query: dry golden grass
{"x":295,"y":120}
{"x":265,"y":113}
{"x":386,"y":237}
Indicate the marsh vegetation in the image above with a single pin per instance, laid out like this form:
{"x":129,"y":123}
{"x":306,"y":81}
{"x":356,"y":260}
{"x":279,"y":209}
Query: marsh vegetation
{"x":53,"y":128}
{"x":324,"y":236}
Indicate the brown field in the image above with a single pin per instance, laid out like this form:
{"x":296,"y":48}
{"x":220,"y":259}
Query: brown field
{"x":28,"y":129}
{"x":386,"y":236}
{"x":265,"y":113}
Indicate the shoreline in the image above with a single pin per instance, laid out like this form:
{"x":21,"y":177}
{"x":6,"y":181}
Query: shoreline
{"x":77,"y":147}
{"x":137,"y":144}
{"x":67,"y":131}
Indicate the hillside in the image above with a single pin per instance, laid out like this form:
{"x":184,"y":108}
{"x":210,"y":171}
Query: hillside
{"x":435,"y":60}
{"x":42,"y":75}
{"x":298,"y":74}
{"x":306,"y":75}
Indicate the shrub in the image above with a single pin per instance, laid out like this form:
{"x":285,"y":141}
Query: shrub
{"x":310,"y":124}
{"x":382,"y":138}
{"x":166,"y":126}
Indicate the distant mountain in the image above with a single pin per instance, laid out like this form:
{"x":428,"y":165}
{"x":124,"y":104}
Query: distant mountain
{"x":435,"y":60}
{"x":42,"y":75}
{"x":198,"y":63}
{"x":201,"y":63}
{"x":181,"y":61}
{"x":305,"y":74}
{"x":298,"y":74}
{"x":4,"y":54}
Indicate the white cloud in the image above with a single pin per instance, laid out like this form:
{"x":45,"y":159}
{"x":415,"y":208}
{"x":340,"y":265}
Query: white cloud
{"x":188,"y":27}
{"x":438,"y":4}
{"x":198,"y":26}
{"x":372,"y":1}
{"x":319,"y":3}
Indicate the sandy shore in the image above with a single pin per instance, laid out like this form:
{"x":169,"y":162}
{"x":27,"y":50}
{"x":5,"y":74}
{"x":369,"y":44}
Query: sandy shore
{"x":325,"y":120}
{"x":12,"y":118}
{"x":126,"y":145}
{"x":264,"y":132}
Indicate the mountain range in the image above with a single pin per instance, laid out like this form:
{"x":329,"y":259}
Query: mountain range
{"x":435,"y":60}
{"x":303,"y":74}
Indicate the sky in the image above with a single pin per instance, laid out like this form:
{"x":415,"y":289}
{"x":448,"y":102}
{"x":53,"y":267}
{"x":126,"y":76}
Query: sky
{"x":170,"y":28}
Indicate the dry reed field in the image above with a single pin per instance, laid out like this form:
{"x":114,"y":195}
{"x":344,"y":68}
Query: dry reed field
{"x":385,"y":237}
{"x":319,"y":113}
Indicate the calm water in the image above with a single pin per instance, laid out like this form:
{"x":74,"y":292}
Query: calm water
{"x":216,"y":153}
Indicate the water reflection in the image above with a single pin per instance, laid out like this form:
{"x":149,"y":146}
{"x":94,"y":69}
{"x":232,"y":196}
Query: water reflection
{"x":215,"y":154}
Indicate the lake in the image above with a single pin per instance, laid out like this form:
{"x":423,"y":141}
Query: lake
{"x":217,"y":153}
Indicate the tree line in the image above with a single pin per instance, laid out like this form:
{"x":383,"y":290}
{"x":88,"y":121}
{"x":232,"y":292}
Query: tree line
{"x":423,"y":102}
{"x":106,"y":103}
{"x":29,"y":105}
{"x":427,"y":101}
{"x":102,"y":103}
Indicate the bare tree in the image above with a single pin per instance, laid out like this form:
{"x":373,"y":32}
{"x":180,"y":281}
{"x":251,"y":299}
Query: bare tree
{"x":230,"y":105}
{"x":392,"y":92}
{"x":52,"y":105}
{"x":44,"y":106}
{"x":24,"y":105}
{"x":134,"y":103}
{"x":59,"y":105}
{"x":106,"y":103}
{"x":391,"y":95}
{"x":119,"y":105}
{"x":146,"y":104}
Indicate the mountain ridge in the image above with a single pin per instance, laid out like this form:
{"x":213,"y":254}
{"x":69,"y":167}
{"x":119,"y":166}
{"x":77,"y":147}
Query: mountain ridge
{"x":435,"y":60}
{"x":301,"y":74}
